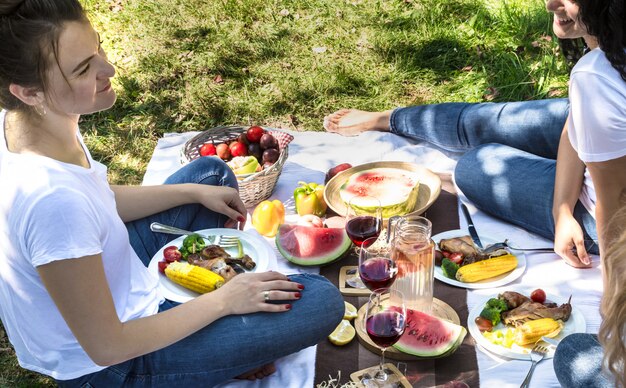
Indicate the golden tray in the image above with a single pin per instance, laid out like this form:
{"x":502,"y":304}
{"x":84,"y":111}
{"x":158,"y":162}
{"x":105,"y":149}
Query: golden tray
{"x":429,"y":185}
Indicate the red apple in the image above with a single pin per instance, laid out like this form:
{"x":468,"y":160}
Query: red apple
{"x":336,"y":170}
{"x":237,"y":148}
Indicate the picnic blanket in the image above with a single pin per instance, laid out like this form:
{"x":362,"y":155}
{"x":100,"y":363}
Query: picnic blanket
{"x":311,"y":154}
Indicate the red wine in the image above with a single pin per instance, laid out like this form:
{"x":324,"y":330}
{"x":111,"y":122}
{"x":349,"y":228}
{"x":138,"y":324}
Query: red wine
{"x":378,"y":272}
{"x":385,"y":328}
{"x":361,"y":228}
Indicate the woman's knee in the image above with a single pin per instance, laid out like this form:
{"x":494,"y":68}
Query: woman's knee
{"x":320,"y":299}
{"x":578,"y":361}
{"x":205,"y":170}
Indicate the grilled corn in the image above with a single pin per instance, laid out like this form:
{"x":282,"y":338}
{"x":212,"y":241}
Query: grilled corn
{"x":486,"y":269}
{"x":532,"y":331}
{"x":193,"y":277}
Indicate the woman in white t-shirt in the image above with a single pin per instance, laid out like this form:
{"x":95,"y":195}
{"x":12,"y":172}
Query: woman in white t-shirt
{"x":76,"y":299}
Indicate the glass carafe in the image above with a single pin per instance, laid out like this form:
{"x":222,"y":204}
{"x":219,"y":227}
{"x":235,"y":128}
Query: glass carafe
{"x":414,"y":252}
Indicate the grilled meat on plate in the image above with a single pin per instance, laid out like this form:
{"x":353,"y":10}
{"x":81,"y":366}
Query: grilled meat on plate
{"x":529,"y":311}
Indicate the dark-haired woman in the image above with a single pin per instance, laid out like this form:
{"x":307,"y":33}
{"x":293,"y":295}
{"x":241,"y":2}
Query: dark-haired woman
{"x":510,"y":167}
{"x":76,"y":298}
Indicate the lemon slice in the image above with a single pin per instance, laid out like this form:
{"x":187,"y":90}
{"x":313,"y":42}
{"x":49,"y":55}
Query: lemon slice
{"x":343,"y":333}
{"x":350,"y":311}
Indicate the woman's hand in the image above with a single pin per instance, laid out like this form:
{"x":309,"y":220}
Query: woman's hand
{"x":569,"y":242}
{"x":246,"y":293}
{"x":224,"y":200}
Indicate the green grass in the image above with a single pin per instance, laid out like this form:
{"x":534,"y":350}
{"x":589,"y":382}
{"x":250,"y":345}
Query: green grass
{"x":190,"y":65}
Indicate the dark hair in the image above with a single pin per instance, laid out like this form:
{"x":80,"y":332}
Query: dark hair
{"x":604,"y":19}
{"x":572,"y":50}
{"x":29,"y":32}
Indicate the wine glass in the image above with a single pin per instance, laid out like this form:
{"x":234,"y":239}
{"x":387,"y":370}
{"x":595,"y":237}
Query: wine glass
{"x":362,"y":224}
{"x":377,"y":269}
{"x":385,"y":321}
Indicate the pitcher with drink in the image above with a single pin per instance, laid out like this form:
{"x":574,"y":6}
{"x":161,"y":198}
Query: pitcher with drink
{"x":414,"y":253}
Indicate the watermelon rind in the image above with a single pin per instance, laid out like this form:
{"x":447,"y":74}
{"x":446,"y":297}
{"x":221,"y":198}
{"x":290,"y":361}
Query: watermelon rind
{"x":333,"y":242}
{"x":414,"y":342}
{"x":394,"y":200}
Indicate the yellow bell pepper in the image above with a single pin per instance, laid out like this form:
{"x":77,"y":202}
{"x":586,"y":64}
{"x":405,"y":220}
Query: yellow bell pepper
{"x":267,"y":216}
{"x":309,"y":198}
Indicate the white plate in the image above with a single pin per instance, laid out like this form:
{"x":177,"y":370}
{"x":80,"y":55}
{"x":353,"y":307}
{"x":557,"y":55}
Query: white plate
{"x":496,"y":281}
{"x":254,"y":246}
{"x":575,"y":324}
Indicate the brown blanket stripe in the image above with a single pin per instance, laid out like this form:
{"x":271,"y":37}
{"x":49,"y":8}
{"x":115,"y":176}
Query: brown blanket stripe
{"x":459,"y":368}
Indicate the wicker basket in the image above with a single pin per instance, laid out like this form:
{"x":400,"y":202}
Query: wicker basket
{"x":253,"y":188}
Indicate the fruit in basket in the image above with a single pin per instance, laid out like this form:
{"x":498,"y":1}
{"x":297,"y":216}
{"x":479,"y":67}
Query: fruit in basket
{"x":336,"y":170}
{"x":238,"y":148}
{"x":223,"y":151}
{"x":255,"y":150}
{"x":242,"y":165}
{"x":396,"y":189}
{"x":268,"y":216}
{"x":268,"y":141}
{"x":208,"y":149}
{"x":428,"y":336}
{"x":270,"y":155}
{"x":254,"y":134}
{"x":304,"y":245}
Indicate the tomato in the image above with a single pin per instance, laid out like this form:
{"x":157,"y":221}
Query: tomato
{"x":538,"y":296}
{"x":254,"y":134}
{"x":172,"y":253}
{"x":456,"y":258}
{"x":483,"y":324}
{"x":162,"y":265}
{"x":238,"y":149}
{"x":207,"y":149}
{"x":446,"y":254}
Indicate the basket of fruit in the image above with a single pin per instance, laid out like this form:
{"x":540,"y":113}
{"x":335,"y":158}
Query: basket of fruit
{"x":255,"y":154}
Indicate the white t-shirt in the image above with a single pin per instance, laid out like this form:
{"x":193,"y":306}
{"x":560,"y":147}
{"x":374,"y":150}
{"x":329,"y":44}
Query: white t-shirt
{"x":50,"y":211}
{"x":597,"y":122}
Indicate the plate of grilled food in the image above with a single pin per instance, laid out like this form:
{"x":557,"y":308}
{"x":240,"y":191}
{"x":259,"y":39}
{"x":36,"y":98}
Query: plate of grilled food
{"x":460,"y":263}
{"x":176,"y":264}
{"x":512,"y":323}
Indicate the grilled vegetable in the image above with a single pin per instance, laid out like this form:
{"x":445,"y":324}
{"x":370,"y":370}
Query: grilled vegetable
{"x":532,"y":331}
{"x":491,"y":314}
{"x":449,"y":268}
{"x":192,"y":244}
{"x":486,"y":269}
{"x":198,"y":279}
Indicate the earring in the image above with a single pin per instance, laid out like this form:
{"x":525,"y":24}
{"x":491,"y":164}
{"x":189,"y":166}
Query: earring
{"x":40,"y":110}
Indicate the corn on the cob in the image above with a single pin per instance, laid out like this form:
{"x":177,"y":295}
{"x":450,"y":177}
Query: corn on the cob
{"x":532,"y":331}
{"x":193,"y":277}
{"x":486,"y":269}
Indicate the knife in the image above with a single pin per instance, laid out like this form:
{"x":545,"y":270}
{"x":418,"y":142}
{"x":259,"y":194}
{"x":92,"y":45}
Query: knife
{"x":471,"y":227}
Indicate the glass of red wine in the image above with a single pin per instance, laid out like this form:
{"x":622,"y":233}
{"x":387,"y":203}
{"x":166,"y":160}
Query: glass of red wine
{"x":385,"y":321}
{"x":377,"y":269}
{"x":363,"y":222}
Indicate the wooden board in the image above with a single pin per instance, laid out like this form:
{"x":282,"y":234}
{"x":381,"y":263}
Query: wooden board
{"x":395,"y":379}
{"x":346,"y":272}
{"x":440,"y":309}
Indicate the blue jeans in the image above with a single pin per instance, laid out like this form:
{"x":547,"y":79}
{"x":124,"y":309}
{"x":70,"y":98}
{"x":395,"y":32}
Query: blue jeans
{"x":234,"y":344}
{"x":578,"y":362}
{"x":509,"y":151}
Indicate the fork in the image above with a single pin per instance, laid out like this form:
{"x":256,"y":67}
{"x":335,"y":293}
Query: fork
{"x":505,"y":244}
{"x":223,"y":241}
{"x":536,"y":355}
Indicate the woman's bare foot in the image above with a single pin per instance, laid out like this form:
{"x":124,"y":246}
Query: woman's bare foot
{"x":351,"y":122}
{"x":258,"y":373}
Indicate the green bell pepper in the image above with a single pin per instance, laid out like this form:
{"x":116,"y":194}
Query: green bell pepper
{"x":309,"y":198}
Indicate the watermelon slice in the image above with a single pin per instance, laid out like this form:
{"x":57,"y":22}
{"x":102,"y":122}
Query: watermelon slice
{"x":428,"y":336}
{"x":305,"y":245}
{"x":396,"y":189}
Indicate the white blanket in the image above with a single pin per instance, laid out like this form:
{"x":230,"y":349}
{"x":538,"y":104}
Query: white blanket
{"x":311,"y":154}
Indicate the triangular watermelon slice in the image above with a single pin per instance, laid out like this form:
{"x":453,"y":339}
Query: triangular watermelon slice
{"x":306,"y":245}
